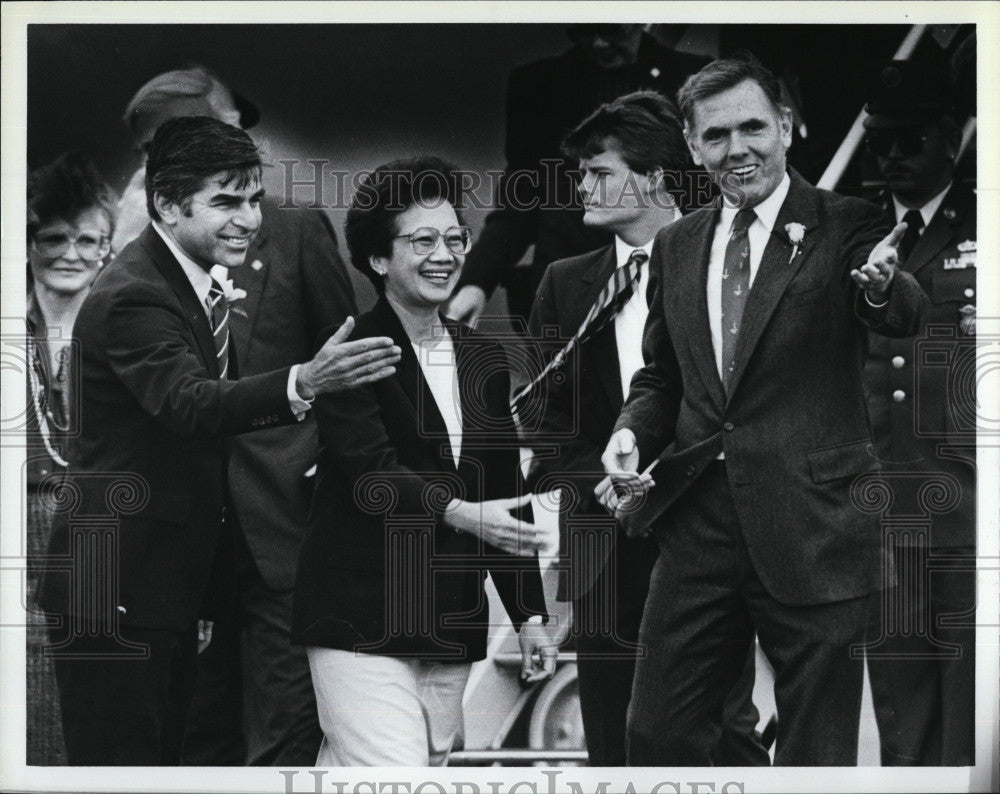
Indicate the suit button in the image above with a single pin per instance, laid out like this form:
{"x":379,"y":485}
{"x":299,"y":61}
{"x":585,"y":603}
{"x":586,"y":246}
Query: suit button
{"x":899,"y":395}
{"x":898,"y":362}
{"x":729,"y":427}
{"x":969,"y":292}
{"x":689,"y":471}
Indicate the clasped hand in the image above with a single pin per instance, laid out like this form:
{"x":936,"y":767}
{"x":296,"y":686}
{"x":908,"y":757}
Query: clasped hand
{"x":624,"y":482}
{"x":492,"y":522}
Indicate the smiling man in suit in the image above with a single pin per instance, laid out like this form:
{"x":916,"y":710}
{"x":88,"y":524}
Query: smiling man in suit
{"x":923,"y":691}
{"x":254,"y":701}
{"x":159,"y":396}
{"x":752,"y":404}
{"x":630,"y":151}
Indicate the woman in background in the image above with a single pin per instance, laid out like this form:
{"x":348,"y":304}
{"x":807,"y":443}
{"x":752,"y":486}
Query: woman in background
{"x":418,"y":495}
{"x":70,"y":222}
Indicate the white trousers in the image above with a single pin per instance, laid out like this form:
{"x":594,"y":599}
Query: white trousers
{"x":383,"y":711}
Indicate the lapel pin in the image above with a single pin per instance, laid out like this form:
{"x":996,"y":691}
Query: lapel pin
{"x":257,"y":264}
{"x":949,"y":214}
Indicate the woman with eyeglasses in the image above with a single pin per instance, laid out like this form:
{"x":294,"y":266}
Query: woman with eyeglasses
{"x":71,"y":214}
{"x":418,"y":495}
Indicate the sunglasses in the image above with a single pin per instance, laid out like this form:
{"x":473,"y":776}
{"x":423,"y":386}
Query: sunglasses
{"x":908,"y":143}
{"x":457,"y":239}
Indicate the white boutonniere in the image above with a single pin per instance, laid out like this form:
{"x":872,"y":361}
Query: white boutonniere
{"x":796,"y":233}
{"x":233,"y":294}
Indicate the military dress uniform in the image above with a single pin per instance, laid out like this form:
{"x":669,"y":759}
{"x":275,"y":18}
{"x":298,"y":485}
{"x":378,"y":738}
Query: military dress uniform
{"x":921,"y":643}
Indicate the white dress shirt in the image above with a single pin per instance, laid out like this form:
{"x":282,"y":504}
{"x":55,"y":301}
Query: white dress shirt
{"x":630,"y":321}
{"x":759,"y":233}
{"x":437,"y":362}
{"x":201,"y":282}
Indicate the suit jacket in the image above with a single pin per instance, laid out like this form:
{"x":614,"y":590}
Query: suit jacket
{"x":296,"y":285}
{"x":581,"y":406}
{"x":379,"y":571}
{"x":149,"y":461}
{"x":545,"y":101}
{"x":930,"y":429}
{"x":794,"y":427}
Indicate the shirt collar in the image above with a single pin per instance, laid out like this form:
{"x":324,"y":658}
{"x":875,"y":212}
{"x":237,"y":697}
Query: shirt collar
{"x":926,"y":212}
{"x":623,"y":250}
{"x":200,"y":279}
{"x":767,"y":211}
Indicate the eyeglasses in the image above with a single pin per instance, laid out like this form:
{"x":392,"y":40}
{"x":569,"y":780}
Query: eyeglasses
{"x":90,"y":245}
{"x":457,"y":239}
{"x":909,"y":142}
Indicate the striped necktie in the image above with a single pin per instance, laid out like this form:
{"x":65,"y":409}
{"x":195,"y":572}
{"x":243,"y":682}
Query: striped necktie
{"x":609,"y":302}
{"x":218,"y":311}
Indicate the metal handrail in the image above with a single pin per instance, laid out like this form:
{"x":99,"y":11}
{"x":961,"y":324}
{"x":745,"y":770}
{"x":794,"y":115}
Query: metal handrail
{"x":835,"y":170}
{"x":521,"y":757}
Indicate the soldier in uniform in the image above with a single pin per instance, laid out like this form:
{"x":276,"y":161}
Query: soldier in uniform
{"x":921,"y":643}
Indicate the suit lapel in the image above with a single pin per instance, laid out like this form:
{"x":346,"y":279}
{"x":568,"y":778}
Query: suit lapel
{"x":775,"y":271}
{"x":430,"y":423}
{"x":693,"y":295}
{"x":938,"y":235}
{"x":603,"y":347}
{"x":192,"y":309}
{"x":252,"y":279}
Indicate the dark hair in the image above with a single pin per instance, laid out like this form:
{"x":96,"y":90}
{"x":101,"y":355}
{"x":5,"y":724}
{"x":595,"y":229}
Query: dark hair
{"x":384,"y":195}
{"x":721,"y":75}
{"x":187,"y":150}
{"x":644,"y":127}
{"x":66,"y":187}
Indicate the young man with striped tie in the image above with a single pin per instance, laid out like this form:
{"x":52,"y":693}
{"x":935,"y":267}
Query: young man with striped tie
{"x":631,"y":153}
{"x":140,"y":555}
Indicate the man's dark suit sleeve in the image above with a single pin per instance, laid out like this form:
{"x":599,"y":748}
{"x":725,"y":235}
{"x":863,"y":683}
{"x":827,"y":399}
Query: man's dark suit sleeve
{"x":654,"y":397}
{"x":560,"y":418}
{"x":328,"y":294}
{"x":901,"y":317}
{"x":510,"y":229}
{"x":148,"y":345}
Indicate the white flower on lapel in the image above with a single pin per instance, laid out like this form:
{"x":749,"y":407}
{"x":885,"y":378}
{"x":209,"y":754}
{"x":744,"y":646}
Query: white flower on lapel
{"x":796,"y":233}
{"x":233,"y":294}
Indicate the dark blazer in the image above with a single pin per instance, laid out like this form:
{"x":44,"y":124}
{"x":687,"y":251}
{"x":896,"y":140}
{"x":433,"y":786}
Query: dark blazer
{"x":931,"y":429}
{"x":581,"y":406}
{"x":379,"y":571}
{"x":149,"y":459}
{"x":296,"y":285}
{"x":794,"y":427}
{"x":546,"y":99}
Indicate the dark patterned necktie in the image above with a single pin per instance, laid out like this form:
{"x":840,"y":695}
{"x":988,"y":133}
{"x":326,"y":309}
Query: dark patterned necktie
{"x":735,"y":286}
{"x":218,"y":309}
{"x":914,"y":223}
{"x":609,"y":302}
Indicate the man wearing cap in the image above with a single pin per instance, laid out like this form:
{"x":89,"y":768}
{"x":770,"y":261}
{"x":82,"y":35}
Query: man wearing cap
{"x":921,"y":643}
{"x":254,"y":700}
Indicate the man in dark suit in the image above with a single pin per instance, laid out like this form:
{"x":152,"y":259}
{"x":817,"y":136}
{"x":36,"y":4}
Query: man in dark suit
{"x":752,"y":404}
{"x":628,"y":151}
{"x":146,"y":554}
{"x":536,"y":202}
{"x":922,"y":643}
{"x":254,"y":701}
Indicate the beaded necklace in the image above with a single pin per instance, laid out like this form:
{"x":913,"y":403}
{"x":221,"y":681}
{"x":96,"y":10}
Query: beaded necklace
{"x":40,"y":396}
